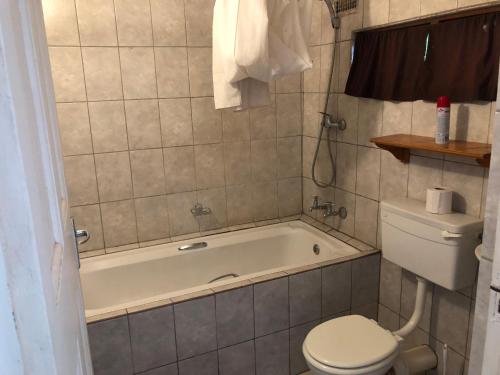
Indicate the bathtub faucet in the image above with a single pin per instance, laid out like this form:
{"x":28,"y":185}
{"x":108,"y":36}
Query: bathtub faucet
{"x":329,"y":208}
{"x":199,"y":210}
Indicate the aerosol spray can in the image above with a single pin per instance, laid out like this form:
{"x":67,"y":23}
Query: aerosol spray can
{"x":443,"y":121}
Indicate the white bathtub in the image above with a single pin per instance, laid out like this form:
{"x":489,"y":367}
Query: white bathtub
{"x":123,"y":280}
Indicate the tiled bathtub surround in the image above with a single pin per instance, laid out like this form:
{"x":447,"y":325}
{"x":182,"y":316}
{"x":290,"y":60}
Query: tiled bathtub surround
{"x":366,"y":175}
{"x":141,"y":140}
{"x":254,"y":329}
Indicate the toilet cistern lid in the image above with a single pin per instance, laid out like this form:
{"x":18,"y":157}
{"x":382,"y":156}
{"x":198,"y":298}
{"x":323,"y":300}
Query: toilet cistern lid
{"x":349,"y":342}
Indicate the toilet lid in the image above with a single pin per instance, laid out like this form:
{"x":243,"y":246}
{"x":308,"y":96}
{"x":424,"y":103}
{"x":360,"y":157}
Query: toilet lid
{"x":350,"y":342}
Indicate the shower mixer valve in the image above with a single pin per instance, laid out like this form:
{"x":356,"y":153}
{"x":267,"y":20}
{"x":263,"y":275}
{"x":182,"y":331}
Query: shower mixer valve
{"x":329,"y":208}
{"x":328,"y":122}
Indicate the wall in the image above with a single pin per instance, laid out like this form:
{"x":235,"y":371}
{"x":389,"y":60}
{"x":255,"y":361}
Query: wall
{"x":141,"y":139}
{"x":255,"y":329}
{"x":366,"y":175}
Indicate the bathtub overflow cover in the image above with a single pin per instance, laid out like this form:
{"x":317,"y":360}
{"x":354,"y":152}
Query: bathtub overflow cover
{"x":316,"y":249}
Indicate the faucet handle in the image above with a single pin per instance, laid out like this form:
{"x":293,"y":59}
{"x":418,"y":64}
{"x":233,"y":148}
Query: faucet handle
{"x":315,"y":203}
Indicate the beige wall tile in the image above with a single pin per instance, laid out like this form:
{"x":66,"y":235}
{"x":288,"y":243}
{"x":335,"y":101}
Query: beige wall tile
{"x":147,"y":172}
{"x":239,"y":204}
{"x":289,"y":196}
{"x":436,"y":6}
{"x":60,"y":22}
{"x":369,"y":120}
{"x":308,"y":149}
{"x":312,"y":119}
{"x":450,"y":318}
{"x":169,"y":27}
{"x":326,"y":60}
{"x":467,"y":183}
{"x":200,"y":71}
{"x":263,"y":122}
{"x":403,"y":10}
{"x":143,"y":124}
{"x":348,"y":111}
{"x":323,"y":170}
{"x":265,"y":200}
{"x":176,"y":124}
{"x":393,"y":177}
{"x":289,"y":157}
{"x":347,"y":200}
{"x":89,"y":219}
{"x":368,"y":172}
{"x":113,"y":176}
{"x":179,"y":169}
{"x":181,"y":219}
{"x":289,"y":84}
{"x":152,"y":218}
{"x":346,"y":166}
{"x":264,"y":160}
{"x":327,"y":32}
{"x":133,"y":21}
{"x":423,"y":118}
{"x":96,"y":21}
{"x":315,"y":33}
{"x":235,"y":125}
{"x":470,"y":122}
{"x":237,"y":162}
{"x":199,"y":14}
{"x":138,"y":72}
{"x":288,"y":114}
{"x":312,"y":76}
{"x":80,"y":179}
{"x":67,"y":74}
{"x":102,"y":73}
{"x":74,"y":128}
{"x":345,"y":53}
{"x":215,"y":199}
{"x":423,"y":174}
{"x":172,"y":72}
{"x":376,"y":12}
{"x":365,"y":225}
{"x":397,"y":117}
{"x":119,"y":223}
{"x":207,"y":122}
{"x":408,"y":295}
{"x":209,"y":163}
{"x":351,"y":22}
{"x":107,"y":121}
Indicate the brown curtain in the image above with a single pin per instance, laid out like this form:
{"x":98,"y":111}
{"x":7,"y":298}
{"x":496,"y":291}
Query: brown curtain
{"x":387,"y":64}
{"x":461,"y":61}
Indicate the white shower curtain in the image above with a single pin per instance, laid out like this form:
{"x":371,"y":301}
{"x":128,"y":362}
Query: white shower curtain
{"x":255,"y":42}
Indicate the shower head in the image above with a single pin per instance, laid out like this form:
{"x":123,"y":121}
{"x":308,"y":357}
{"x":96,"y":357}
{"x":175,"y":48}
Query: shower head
{"x":337,"y":7}
{"x":333,"y":14}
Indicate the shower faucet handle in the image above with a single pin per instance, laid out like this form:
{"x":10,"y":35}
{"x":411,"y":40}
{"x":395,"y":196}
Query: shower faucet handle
{"x":328,"y":122}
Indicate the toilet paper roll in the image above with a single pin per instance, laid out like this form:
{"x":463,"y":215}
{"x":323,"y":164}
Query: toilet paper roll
{"x":439,"y":200}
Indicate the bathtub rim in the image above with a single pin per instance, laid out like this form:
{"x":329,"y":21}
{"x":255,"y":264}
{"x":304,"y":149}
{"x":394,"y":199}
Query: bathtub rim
{"x":361,"y":250}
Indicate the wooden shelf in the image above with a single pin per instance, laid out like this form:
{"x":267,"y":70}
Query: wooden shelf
{"x":401,"y":144}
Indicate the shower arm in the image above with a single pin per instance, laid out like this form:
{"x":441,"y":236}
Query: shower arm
{"x":335,"y":19}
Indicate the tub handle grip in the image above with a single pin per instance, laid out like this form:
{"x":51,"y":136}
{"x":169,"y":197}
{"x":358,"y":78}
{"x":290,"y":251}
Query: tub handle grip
{"x":193,"y":246}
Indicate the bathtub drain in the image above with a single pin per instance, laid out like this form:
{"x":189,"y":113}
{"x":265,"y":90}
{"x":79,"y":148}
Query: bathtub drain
{"x":223,"y":277}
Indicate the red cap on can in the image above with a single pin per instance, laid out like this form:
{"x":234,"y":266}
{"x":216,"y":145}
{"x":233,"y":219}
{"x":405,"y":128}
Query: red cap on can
{"x":443,"y":101}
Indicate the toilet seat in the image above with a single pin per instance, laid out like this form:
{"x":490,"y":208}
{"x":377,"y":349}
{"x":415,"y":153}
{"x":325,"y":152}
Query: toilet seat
{"x":350,"y":345}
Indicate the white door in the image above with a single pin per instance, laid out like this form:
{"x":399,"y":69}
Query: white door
{"x":36,"y":233}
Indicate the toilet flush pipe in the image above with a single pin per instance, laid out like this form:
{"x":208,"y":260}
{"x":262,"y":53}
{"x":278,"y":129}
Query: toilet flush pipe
{"x":422,"y":286}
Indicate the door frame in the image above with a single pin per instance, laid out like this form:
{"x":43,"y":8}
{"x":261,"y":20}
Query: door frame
{"x":31,"y":174}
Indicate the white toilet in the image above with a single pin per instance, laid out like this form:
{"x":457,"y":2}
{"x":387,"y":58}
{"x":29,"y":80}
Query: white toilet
{"x":439,"y":248}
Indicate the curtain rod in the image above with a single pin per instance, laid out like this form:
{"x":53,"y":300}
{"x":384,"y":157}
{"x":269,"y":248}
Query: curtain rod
{"x":439,"y":18}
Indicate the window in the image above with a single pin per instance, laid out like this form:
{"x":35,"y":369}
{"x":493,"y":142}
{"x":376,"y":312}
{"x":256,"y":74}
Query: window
{"x":458,"y":58}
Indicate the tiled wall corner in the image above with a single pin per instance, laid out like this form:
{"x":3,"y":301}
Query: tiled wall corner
{"x":366,"y":175}
{"x":141,"y":139}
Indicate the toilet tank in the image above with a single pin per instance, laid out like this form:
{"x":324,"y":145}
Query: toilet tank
{"x":440,"y":248}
